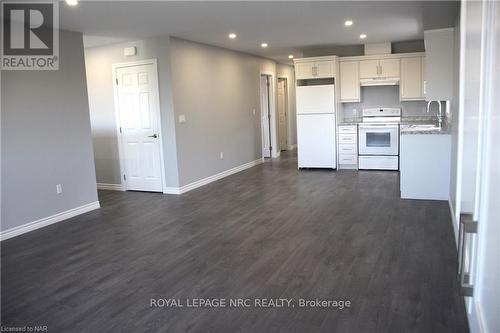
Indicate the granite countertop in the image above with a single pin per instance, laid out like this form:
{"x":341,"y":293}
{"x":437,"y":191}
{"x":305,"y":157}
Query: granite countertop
{"x":410,"y":125}
{"x":424,"y":127}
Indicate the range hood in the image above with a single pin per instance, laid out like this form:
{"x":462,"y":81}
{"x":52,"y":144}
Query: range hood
{"x":380,"y":81}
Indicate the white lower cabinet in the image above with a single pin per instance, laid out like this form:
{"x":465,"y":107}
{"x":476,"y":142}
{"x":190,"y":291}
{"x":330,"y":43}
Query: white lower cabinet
{"x":348,"y":147}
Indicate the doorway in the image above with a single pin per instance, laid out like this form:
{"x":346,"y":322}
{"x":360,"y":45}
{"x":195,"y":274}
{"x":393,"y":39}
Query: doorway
{"x":138,"y":119}
{"x":266,"y":114}
{"x":283,"y":112}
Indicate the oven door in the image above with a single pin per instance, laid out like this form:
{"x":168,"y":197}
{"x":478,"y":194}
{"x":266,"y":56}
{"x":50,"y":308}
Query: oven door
{"x":379,"y":139}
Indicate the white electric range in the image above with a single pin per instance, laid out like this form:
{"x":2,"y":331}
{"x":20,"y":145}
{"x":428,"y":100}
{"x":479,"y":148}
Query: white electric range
{"x":379,"y":139}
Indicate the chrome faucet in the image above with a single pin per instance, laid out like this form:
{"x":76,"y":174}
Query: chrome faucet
{"x":440,"y":112}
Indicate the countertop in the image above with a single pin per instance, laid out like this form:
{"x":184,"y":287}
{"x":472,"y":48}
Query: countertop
{"x":407,"y":125}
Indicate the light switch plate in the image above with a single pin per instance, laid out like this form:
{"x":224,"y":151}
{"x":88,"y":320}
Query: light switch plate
{"x":182,"y":118}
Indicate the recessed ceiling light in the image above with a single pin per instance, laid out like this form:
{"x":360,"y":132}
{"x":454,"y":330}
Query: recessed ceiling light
{"x":348,"y":23}
{"x":290,"y":56}
{"x":72,"y":2}
{"x":263,"y":45}
{"x":362,"y":36}
{"x":232,"y":35}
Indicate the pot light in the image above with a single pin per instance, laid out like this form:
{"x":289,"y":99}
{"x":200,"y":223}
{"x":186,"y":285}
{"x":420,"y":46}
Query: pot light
{"x":348,"y":23}
{"x":263,"y":45}
{"x":290,"y":56}
{"x":362,"y":36}
{"x":72,"y":2}
{"x":232,"y":35}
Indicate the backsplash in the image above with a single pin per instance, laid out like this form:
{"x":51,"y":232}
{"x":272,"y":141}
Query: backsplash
{"x":386,"y":96}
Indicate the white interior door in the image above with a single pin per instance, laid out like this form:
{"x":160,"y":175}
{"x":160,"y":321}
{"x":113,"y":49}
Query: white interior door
{"x":265,"y":115}
{"x":282,"y":110}
{"x":139,"y":126}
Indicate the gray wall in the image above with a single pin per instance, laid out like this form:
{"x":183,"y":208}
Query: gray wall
{"x":359,"y":50}
{"x":102,"y":113}
{"x":387,"y":96}
{"x":289,"y":73}
{"x":46,"y":139}
{"x":216,"y":89}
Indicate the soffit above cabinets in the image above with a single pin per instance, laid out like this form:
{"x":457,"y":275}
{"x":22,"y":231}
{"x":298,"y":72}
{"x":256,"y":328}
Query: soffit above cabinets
{"x":383,"y":56}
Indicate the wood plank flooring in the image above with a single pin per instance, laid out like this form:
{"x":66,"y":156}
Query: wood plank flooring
{"x":269,"y":231}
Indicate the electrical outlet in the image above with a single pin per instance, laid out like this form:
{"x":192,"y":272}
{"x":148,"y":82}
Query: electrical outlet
{"x":182,"y":118}
{"x":221,"y":155}
{"x":59,"y":188}
{"x":253,"y":111}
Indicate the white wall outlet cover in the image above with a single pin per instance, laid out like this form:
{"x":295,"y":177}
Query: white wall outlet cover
{"x":59,"y":188}
{"x":221,"y":155}
{"x":130,"y":51}
{"x":182,"y":118}
{"x":253,"y":111}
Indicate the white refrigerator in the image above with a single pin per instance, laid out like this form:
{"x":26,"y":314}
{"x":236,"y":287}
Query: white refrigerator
{"x":316,"y":126}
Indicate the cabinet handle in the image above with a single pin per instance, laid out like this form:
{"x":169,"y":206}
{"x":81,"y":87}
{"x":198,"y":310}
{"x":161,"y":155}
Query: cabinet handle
{"x":467,"y":226}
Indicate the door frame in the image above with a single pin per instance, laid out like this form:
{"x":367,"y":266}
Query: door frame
{"x":272,"y":110}
{"x":287,"y":110}
{"x":156,"y":91}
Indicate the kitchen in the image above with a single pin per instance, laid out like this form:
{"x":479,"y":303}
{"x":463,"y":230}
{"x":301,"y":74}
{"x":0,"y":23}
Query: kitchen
{"x":383,"y":110}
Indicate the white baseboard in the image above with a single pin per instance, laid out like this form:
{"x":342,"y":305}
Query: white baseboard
{"x":291,"y":147}
{"x":210,"y":179}
{"x":171,"y":190}
{"x":454,"y":221}
{"x":111,"y":187}
{"x":16,"y":231}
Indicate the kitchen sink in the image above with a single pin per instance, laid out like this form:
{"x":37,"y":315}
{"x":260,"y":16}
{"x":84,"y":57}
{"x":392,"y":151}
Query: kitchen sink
{"x":421,"y":127}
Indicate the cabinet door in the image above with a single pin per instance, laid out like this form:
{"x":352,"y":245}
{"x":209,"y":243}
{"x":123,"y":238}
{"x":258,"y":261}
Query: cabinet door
{"x":411,"y":86}
{"x":324,"y":68}
{"x":304,"y":70}
{"x":389,"y":67}
{"x":349,"y":81}
{"x":368,"y":69}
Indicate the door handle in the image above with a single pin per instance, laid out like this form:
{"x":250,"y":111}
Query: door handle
{"x":467,"y":226}
{"x":153,"y":136}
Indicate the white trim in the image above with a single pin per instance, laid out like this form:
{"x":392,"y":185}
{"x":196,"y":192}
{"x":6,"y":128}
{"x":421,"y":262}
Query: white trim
{"x":287,"y":108}
{"x":110,"y":187}
{"x":213,"y":178}
{"x":43,"y":222}
{"x":453,"y":221}
{"x":171,"y":190}
{"x":156,"y":89}
{"x":477,"y":324}
{"x":273,"y":111}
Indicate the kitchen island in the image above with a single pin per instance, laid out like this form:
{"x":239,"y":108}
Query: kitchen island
{"x":425,"y":161}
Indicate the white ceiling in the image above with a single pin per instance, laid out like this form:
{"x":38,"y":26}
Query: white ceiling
{"x":287,"y":26}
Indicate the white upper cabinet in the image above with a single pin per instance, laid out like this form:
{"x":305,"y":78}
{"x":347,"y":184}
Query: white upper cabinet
{"x":439,"y":48}
{"x":349,"y":81}
{"x":314,"y":68}
{"x":303,"y":70}
{"x":389,"y":68}
{"x":368,"y":69}
{"x":324,"y":69}
{"x":411,"y":85}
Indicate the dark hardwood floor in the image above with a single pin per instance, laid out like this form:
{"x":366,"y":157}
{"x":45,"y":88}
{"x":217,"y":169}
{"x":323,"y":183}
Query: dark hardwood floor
{"x":267,"y":232}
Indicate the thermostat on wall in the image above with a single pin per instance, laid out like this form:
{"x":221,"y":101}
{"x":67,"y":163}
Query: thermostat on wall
{"x":129,"y":51}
